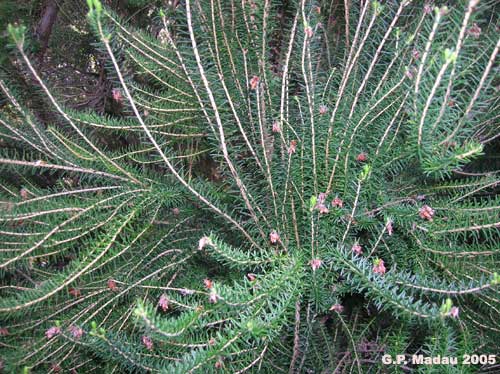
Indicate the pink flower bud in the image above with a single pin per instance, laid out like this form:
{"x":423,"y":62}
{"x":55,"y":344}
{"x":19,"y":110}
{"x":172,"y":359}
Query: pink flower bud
{"x":293,"y":147}
{"x":454,"y":312}
{"x":323,"y":109}
{"x":410,"y":72}
{"x":117,"y":95}
{"x":378,"y":266}
{"x":213,"y":297}
{"x":274,"y":237}
{"x":53,"y":331}
{"x":362,"y":157}
{"x":204,"y":242}
{"x":208,"y":283}
{"x":315,"y":263}
{"x":75,"y":292}
{"x":148,"y":343}
{"x":24,"y":193}
{"x":163,"y":303}
{"x":337,"y":308}
{"x":76,"y":332}
{"x":309,"y":31}
{"x":321,"y":198}
{"x":276,"y":126}
{"x":356,"y":248}
{"x":415,"y":53}
{"x":254,"y":82}
{"x":337,"y":202}
{"x":322,"y":208}
{"x":389,"y":227}
{"x":444,"y":10}
{"x":112,"y":285}
{"x":474,"y":31}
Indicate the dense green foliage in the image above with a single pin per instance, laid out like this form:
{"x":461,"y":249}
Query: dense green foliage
{"x":277,"y":187}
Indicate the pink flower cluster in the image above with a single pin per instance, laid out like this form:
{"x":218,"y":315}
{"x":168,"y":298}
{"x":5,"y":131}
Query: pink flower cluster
{"x":426,"y":212}
{"x":379,"y":267}
{"x":76,"y":332}
{"x":321,"y":205}
{"x":163,"y":303}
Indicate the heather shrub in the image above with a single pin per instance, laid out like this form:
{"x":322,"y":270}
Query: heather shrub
{"x":282,"y":187}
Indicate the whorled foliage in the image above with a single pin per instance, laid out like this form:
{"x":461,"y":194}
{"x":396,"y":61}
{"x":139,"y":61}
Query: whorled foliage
{"x":286,"y":189}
